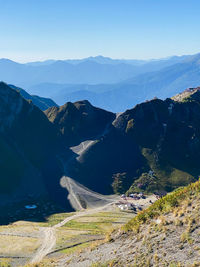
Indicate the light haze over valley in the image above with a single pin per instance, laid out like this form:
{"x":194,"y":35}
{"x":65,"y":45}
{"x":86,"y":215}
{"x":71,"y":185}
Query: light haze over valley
{"x":99,"y":133}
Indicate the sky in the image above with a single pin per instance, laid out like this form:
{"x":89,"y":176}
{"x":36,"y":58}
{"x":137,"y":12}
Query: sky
{"x":33,"y":30}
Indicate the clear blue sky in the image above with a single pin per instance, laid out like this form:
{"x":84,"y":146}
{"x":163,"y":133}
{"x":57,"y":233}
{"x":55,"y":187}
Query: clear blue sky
{"x":61,"y":29}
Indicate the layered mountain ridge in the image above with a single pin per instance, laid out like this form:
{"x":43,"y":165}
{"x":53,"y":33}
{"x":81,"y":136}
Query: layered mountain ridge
{"x":154,"y":146}
{"x":79,"y":121}
{"x":111,"y":84}
{"x":41,"y":102}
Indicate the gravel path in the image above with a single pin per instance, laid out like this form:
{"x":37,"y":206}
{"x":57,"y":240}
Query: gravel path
{"x":49,"y":241}
{"x":49,"y":237}
{"x":95,"y":202}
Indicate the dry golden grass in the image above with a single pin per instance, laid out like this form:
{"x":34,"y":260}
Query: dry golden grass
{"x":44,"y":263}
{"x":19,"y":229}
{"x":77,"y":234}
{"x":14,"y":245}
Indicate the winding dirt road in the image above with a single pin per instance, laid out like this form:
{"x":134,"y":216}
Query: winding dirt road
{"x":49,"y":234}
{"x":48,"y":242}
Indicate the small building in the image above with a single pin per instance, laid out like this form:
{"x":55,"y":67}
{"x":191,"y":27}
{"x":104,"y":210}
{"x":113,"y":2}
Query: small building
{"x":127,"y":206}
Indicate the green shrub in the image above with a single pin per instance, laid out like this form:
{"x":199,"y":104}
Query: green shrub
{"x":165,"y":204}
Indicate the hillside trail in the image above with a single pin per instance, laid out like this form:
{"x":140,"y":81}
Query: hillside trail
{"x":78,"y":195}
{"x":49,"y":233}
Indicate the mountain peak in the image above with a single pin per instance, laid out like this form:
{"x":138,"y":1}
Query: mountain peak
{"x":7,"y":61}
{"x":99,"y":57}
{"x":79,"y":121}
{"x":188,"y":95}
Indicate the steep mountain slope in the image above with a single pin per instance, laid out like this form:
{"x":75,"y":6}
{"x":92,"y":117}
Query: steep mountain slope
{"x":41,"y":102}
{"x":165,"y":234}
{"x":79,"y":121}
{"x":103,"y":147}
{"x":29,"y":144}
{"x":167,"y":133}
{"x":154,"y":146}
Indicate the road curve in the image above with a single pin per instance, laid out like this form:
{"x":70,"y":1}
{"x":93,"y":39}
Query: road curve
{"x":49,"y":234}
{"x":48,"y":242}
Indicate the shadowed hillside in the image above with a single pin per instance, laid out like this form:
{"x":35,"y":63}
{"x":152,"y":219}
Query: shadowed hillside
{"x":79,"y":121}
{"x":29,"y":143}
{"x":154,"y":146}
{"x":41,"y":102}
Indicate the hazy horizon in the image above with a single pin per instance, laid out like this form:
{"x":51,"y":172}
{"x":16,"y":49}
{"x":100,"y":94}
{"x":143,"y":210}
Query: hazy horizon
{"x":96,"y":56}
{"x":139,"y":29}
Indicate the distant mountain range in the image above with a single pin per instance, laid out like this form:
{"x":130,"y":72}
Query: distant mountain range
{"x":118,"y":97}
{"x":154,"y":63}
{"x":89,"y":72}
{"x":112,"y":84}
{"x":108,"y":83}
{"x":92,"y":70}
{"x":41,"y":102}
